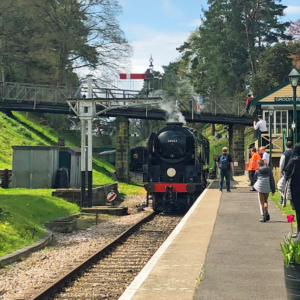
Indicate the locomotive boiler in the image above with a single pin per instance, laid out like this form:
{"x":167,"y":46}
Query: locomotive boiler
{"x":177,"y":167}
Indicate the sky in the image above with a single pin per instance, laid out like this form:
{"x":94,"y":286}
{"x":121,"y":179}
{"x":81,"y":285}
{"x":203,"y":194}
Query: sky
{"x":158,"y":27}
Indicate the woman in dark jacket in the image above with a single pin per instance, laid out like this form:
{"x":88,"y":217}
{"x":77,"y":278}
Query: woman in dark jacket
{"x":293,"y":172}
{"x":264,"y":183}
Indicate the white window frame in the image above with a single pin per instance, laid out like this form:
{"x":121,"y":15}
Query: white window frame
{"x":274,"y":121}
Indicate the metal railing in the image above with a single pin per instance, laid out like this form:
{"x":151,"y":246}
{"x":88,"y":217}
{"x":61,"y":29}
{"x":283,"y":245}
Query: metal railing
{"x":37,"y":93}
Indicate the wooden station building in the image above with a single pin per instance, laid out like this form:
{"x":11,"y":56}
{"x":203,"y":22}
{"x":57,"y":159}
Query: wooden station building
{"x":280,"y":100}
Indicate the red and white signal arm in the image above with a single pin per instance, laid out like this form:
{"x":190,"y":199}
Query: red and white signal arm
{"x":137,"y":76}
{"x":111,"y":196}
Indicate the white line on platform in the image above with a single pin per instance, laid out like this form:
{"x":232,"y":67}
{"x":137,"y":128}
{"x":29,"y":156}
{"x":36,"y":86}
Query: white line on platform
{"x":141,"y":277}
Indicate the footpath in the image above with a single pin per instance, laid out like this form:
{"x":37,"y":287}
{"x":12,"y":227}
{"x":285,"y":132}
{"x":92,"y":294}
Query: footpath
{"x":243,"y":259}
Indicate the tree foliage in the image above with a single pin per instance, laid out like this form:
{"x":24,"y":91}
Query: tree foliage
{"x":45,"y":41}
{"x":226,"y":54}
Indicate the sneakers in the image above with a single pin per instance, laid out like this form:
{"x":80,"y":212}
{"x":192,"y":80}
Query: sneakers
{"x":228,"y":191}
{"x":280,"y":202}
{"x":220,"y":190}
{"x":295,"y":234}
{"x":267,"y":217}
{"x":253,"y":190}
{"x":263,"y":220}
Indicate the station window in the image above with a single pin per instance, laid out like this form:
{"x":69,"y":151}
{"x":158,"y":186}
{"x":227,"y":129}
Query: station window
{"x":280,"y":120}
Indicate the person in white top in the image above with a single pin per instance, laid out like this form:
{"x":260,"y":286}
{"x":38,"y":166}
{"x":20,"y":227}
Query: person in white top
{"x":265,"y":155}
{"x":284,"y":160}
{"x":262,"y":126}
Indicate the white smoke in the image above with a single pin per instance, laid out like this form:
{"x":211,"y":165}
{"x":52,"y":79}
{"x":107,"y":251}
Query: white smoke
{"x":168,"y":104}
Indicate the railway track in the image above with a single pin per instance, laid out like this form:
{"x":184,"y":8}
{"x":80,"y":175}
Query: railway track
{"x":106,"y":274}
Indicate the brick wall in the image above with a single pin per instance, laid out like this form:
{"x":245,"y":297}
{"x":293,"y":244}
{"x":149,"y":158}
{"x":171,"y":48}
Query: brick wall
{"x":122,"y":149}
{"x":237,"y":152}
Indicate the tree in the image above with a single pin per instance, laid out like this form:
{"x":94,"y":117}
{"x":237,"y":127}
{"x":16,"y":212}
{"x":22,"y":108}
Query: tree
{"x":262,"y":27}
{"x":274,"y":65}
{"x":294,"y":30}
{"x":45,"y":41}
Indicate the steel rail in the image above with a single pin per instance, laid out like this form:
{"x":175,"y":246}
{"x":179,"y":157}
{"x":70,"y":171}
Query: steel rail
{"x":53,"y":287}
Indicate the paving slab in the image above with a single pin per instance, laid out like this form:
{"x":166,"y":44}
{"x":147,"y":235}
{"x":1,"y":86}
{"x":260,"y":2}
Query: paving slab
{"x":243,"y":260}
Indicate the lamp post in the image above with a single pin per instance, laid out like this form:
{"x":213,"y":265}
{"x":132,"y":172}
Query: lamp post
{"x":294,"y":78}
{"x":271,"y":112}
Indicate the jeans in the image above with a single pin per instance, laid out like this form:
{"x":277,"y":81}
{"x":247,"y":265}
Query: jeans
{"x":251,"y":177}
{"x":225,"y":173}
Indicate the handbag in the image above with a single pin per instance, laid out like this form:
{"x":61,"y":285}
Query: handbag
{"x":281,"y":184}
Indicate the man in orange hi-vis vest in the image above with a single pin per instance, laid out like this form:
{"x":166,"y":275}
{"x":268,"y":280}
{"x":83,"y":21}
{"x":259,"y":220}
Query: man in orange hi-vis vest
{"x":253,"y":166}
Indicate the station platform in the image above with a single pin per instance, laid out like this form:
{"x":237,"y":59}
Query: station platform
{"x":219,"y":250}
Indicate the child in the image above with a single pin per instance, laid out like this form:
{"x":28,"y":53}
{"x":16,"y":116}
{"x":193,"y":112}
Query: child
{"x":264,"y":183}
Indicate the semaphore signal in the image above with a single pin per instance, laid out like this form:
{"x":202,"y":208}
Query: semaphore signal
{"x":145,"y":76}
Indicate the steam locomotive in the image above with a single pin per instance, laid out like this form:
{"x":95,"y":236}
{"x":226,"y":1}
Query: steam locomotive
{"x":177,"y":167}
{"x":137,"y":157}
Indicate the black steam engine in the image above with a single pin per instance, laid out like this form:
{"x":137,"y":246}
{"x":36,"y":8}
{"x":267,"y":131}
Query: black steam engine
{"x":177,"y":167}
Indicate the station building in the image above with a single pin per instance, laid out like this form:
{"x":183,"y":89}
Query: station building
{"x":276,"y":108}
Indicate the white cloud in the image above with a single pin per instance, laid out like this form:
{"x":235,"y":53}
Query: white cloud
{"x":292,"y":10}
{"x":194,"y":23}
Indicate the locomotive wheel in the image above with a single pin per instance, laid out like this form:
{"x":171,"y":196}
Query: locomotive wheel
{"x":154,"y":204}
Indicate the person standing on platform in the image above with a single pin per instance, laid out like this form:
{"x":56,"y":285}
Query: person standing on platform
{"x":253,"y":166}
{"x":264,"y":184}
{"x":284,"y":160}
{"x":225,"y":164}
{"x":262,"y":126}
{"x":293,"y":171}
{"x":264,"y":155}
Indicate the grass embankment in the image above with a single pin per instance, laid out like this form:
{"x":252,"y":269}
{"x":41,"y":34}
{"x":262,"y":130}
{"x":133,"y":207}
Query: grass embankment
{"x":24,"y":210}
{"x":102,"y":175}
{"x":285,"y":210}
{"x":23,"y":132}
{"x":31,"y":208}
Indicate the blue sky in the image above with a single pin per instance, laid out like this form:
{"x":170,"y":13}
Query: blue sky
{"x":157,"y":27}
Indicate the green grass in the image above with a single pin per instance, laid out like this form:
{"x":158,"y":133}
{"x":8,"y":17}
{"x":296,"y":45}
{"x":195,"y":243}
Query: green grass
{"x":104,"y":164}
{"x":28,"y":209}
{"x":285,"y":210}
{"x":20,"y":131}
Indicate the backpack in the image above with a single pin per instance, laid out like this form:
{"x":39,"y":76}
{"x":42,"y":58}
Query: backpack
{"x":223,"y":164}
{"x":288,"y":155}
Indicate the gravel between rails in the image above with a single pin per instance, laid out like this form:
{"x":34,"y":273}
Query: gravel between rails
{"x":109,"y":277}
{"x":22,"y":279}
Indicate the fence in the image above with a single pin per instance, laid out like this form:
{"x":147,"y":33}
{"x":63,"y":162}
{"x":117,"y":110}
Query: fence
{"x":277,"y":175}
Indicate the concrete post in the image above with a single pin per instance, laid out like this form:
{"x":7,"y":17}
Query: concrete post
{"x":237,"y":150}
{"x":122,"y":149}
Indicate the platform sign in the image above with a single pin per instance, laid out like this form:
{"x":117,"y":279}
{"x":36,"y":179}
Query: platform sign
{"x":111,"y":196}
